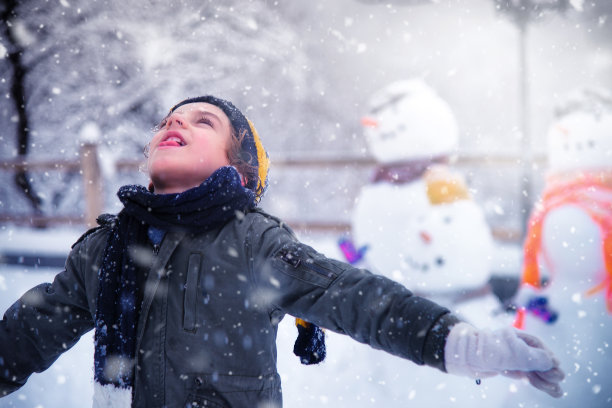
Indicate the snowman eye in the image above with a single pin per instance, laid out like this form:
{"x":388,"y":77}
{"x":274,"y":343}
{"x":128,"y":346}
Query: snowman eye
{"x":591,"y":143}
{"x":439,"y":261}
{"x":447,"y":219}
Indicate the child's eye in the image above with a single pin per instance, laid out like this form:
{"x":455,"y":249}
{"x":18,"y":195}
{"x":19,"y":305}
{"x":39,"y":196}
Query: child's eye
{"x":205,"y":121}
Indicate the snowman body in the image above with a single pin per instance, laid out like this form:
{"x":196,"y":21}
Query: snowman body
{"x":575,"y":217}
{"x":422,"y":245}
{"x":383,"y":220}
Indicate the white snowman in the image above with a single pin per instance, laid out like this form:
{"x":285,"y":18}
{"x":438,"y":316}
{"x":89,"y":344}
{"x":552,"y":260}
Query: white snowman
{"x":417,"y":217}
{"x":422,"y":228}
{"x":567,"y":273}
{"x":408,"y":129}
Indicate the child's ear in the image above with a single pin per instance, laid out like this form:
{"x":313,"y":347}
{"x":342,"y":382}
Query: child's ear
{"x":151,"y":187}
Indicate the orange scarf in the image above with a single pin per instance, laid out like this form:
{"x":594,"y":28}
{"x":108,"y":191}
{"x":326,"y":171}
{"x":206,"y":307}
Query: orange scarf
{"x":591,"y":192}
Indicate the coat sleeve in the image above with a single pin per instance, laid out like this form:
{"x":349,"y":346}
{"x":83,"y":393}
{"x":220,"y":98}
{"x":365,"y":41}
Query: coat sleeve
{"x":370,"y":308}
{"x":45,"y":322}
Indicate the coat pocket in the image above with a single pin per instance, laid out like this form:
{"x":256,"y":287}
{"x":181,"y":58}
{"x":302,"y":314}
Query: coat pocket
{"x":191,"y":292}
{"x":197,"y":401}
{"x":215,"y":390}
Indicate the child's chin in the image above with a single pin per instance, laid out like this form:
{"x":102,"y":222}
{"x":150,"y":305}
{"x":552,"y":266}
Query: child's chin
{"x":163,"y":163}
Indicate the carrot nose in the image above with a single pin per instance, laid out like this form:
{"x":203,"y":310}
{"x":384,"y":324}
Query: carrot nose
{"x":563,"y":130}
{"x":367,"y":121}
{"x":425,"y":237}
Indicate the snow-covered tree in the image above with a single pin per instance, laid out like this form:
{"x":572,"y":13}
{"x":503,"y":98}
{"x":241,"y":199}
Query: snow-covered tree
{"x":121,"y":66}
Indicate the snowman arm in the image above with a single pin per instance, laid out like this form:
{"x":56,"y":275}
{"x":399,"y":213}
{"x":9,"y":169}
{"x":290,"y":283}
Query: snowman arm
{"x":455,"y":296}
{"x":503,"y":287}
{"x":484,"y":353}
{"x":465,"y":295}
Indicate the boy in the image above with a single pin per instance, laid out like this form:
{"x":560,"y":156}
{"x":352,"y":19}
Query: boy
{"x":186,"y":286}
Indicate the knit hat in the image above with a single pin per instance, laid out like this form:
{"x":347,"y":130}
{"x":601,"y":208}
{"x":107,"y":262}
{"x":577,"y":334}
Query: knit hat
{"x":252,"y":150}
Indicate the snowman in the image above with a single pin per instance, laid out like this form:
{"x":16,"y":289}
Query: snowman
{"x":422,"y":228}
{"x":417,"y":217}
{"x":567,"y":288}
{"x":408,"y":129}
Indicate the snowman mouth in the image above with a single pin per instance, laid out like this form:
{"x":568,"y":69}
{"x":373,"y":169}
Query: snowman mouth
{"x":425,"y":266}
{"x":387,"y":135}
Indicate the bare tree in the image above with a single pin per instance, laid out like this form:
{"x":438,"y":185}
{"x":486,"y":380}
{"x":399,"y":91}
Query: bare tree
{"x":18,"y":96}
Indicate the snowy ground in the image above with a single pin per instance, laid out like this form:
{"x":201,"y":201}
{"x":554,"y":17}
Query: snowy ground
{"x":352,"y":375}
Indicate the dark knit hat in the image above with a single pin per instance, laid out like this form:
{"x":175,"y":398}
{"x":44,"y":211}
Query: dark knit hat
{"x":252,"y":150}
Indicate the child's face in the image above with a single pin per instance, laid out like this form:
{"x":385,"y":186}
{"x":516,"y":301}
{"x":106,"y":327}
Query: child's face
{"x":192,"y":142}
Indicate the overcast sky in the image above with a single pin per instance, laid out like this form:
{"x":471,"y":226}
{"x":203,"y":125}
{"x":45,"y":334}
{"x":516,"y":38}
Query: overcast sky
{"x":468,"y":53}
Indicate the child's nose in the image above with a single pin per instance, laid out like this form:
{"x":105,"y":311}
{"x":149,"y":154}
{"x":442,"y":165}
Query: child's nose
{"x":175,"y":119}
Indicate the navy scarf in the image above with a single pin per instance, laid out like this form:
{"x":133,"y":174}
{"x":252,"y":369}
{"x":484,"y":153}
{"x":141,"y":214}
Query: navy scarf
{"x":210,"y":205}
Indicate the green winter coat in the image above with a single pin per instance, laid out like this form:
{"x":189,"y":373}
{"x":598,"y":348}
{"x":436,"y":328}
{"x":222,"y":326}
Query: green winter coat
{"x":210,"y":310}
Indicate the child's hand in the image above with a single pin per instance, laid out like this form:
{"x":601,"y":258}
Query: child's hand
{"x":484,"y":353}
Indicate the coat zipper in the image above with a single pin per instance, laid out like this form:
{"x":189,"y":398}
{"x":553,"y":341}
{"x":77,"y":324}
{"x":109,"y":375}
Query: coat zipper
{"x":296,"y":261}
{"x":314,"y":267}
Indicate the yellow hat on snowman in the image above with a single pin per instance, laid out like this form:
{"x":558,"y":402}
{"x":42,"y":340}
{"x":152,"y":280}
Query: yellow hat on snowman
{"x":445,"y":187}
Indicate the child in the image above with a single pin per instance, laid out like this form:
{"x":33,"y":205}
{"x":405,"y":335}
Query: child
{"x":185,"y":288}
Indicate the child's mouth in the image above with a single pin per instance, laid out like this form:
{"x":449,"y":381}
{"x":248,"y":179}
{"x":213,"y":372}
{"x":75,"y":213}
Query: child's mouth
{"x":172,"y":141}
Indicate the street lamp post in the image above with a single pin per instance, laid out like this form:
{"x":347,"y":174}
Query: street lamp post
{"x":521,"y":13}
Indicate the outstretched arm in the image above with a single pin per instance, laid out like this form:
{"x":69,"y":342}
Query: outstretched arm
{"x":384,"y":314}
{"x":371,"y":309}
{"x":45,"y":322}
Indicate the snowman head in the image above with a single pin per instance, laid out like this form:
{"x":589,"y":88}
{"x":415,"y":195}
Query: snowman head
{"x":581,"y":137}
{"x":407,"y":120}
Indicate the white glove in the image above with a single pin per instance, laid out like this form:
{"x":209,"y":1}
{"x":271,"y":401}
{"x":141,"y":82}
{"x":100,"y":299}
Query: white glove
{"x":485,"y":353}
